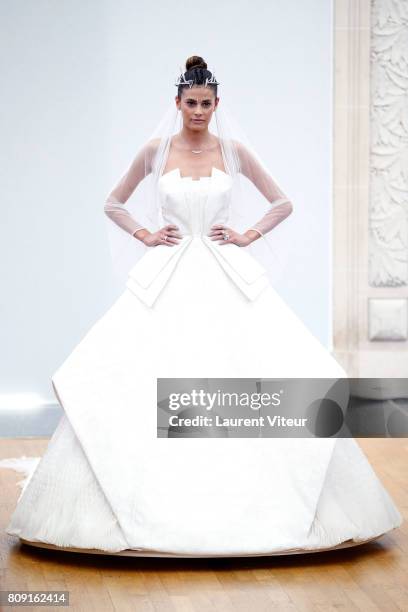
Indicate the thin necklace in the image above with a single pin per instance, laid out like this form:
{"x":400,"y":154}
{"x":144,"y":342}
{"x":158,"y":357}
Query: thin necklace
{"x":200,"y":150}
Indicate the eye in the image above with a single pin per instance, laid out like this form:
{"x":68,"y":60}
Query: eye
{"x":191,"y":102}
{"x":207,"y":104}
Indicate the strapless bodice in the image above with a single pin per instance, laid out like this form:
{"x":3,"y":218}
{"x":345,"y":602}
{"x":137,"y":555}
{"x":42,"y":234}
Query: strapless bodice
{"x":194,"y":205}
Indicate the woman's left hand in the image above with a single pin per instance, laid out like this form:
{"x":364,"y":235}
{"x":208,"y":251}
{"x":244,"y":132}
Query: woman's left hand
{"x":217,"y":232}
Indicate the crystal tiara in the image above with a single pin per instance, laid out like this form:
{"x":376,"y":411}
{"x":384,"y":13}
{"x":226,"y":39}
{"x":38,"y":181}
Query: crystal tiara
{"x":181,"y":80}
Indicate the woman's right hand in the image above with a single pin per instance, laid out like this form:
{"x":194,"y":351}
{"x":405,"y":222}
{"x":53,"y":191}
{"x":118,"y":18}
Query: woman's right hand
{"x":166,"y":235}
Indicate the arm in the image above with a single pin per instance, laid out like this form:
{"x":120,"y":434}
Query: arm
{"x":281,"y":206}
{"x":114,"y":208}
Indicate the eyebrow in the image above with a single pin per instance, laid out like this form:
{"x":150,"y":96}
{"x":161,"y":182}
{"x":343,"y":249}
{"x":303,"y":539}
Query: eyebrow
{"x":194,"y":100}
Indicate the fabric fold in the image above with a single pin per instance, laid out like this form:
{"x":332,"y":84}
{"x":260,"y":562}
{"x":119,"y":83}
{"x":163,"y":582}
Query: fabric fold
{"x":150,"y":275}
{"x":152,"y":272}
{"x":245,"y":271}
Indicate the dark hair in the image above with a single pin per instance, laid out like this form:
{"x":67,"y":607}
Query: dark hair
{"x":196,"y":69}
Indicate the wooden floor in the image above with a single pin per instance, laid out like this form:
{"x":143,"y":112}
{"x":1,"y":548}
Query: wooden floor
{"x":373,"y":576}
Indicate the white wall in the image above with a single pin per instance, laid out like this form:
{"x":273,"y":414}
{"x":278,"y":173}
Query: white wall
{"x":83,"y":84}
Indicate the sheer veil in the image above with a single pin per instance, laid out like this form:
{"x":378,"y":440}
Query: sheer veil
{"x":256,"y":200}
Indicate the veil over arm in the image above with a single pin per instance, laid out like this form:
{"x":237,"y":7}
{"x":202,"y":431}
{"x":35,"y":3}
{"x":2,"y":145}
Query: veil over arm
{"x":281,"y":206}
{"x":135,"y":201}
{"x":114,"y":206}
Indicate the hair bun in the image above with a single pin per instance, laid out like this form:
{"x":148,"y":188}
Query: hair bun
{"x":195,"y":61}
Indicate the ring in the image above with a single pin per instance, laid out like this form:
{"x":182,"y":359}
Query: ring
{"x":165,"y":238}
{"x":225,"y":236}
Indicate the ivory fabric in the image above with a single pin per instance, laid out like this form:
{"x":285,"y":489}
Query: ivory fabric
{"x":195,"y":310}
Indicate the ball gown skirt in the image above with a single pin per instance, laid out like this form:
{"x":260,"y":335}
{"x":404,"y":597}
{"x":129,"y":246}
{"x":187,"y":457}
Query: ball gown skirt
{"x":107,"y":482}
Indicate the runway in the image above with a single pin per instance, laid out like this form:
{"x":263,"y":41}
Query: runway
{"x":371,"y":576}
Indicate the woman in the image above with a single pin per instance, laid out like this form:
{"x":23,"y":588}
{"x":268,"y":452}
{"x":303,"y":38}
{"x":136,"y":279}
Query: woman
{"x":196,"y":304}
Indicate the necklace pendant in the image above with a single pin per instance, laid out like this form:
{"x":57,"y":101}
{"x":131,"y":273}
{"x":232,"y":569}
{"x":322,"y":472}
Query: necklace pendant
{"x":193,"y":151}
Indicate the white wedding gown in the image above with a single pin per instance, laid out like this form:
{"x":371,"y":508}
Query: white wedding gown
{"x":194,"y":310}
